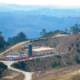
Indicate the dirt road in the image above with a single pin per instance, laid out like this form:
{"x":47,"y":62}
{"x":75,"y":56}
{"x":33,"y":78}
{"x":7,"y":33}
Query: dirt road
{"x":28,"y":75}
{"x":15,"y":46}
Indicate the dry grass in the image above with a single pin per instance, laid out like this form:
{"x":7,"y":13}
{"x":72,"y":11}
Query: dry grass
{"x":68,"y":76}
{"x":65,"y":73}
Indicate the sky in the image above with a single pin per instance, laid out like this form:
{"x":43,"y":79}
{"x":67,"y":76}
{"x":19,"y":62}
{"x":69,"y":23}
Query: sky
{"x":43,"y":2}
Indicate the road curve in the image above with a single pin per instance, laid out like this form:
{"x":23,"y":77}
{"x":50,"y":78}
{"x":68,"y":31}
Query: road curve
{"x":28,"y":75}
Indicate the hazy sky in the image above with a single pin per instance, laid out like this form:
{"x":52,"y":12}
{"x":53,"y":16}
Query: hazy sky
{"x":43,"y":2}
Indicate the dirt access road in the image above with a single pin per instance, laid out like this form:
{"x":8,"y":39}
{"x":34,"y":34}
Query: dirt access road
{"x":28,"y":75}
{"x":15,"y":46}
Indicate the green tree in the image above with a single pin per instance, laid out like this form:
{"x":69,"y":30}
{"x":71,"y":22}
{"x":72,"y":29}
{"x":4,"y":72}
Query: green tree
{"x":69,"y":48}
{"x":72,"y":44}
{"x":17,"y":65}
{"x":77,"y":59}
{"x":73,"y":28}
{"x":2,"y":41}
{"x":21,"y":37}
{"x":76,"y":25}
{"x":78,"y":50}
{"x":77,"y":45}
{"x":23,"y":64}
{"x":54,"y":64}
{"x":43,"y":32}
{"x":2,"y":68}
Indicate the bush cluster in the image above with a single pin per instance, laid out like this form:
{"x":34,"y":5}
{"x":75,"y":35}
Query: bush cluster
{"x":77,"y":59}
{"x":58,"y":56}
{"x":19,"y":65}
{"x":78,"y":50}
{"x":69,"y":48}
{"x":2,"y":68}
{"x":56,"y":64}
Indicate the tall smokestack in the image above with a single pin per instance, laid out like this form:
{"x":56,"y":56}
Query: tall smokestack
{"x":30,"y":49}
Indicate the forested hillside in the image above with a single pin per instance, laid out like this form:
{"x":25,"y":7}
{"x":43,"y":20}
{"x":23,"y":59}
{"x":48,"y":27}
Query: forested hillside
{"x":31,"y":25}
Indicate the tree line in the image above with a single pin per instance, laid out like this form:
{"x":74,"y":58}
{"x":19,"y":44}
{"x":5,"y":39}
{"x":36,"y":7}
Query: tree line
{"x":11,"y":40}
{"x":19,"y":38}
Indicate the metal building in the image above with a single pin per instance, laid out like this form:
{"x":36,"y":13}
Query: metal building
{"x":30,"y":49}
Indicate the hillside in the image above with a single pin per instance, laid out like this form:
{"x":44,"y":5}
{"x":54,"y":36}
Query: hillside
{"x":65,"y":73}
{"x":61,"y":43}
{"x":12,"y":49}
{"x":31,"y":25}
{"x":11,"y":75}
{"x":69,"y":56}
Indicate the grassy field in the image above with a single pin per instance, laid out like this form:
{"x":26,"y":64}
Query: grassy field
{"x":69,"y":76}
{"x":65,"y":73}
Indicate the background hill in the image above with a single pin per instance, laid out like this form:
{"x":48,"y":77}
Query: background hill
{"x":31,"y":25}
{"x":32,"y":19}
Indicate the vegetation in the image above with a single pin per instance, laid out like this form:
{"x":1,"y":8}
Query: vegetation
{"x":54,"y":45}
{"x":77,"y":59}
{"x":51,"y":33}
{"x":3,"y":43}
{"x":19,"y":65}
{"x":75,"y":28}
{"x":19,"y":38}
{"x":78,"y":50}
{"x":72,"y":44}
{"x":2,"y":68}
{"x":43,"y":32}
{"x":56,"y":65}
{"x":77,"y":45}
{"x":69,"y":48}
{"x":58,"y":56}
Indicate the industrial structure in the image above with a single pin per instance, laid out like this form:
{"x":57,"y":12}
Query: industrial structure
{"x":38,"y":50}
{"x":11,"y":57}
{"x":31,"y":52}
{"x":30,"y":49}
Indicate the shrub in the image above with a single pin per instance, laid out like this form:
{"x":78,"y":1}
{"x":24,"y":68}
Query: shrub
{"x":77,"y":59}
{"x":59,"y":63}
{"x":3,"y":66}
{"x":77,"y":45}
{"x":77,"y":38}
{"x":54,"y":45}
{"x":78,"y":50}
{"x":17,"y":65}
{"x":72,"y":44}
{"x":23,"y":64}
{"x":69,"y":48}
{"x":54,"y":64}
{"x":58,"y":56}
{"x":67,"y":62}
{"x":0,"y":72}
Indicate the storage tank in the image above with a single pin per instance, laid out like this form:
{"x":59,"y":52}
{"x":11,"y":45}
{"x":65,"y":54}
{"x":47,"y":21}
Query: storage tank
{"x":30,"y":49}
